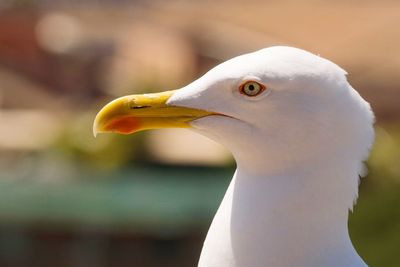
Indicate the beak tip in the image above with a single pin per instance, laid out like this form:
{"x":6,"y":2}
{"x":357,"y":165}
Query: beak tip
{"x":95,"y":132}
{"x":96,"y":129}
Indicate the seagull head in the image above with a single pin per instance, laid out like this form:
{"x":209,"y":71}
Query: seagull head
{"x":273,"y":108}
{"x":299,"y":134}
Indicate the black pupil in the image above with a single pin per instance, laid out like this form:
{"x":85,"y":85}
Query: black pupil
{"x":251,"y":87}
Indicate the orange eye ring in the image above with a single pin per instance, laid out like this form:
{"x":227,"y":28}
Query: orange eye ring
{"x":252,"y":88}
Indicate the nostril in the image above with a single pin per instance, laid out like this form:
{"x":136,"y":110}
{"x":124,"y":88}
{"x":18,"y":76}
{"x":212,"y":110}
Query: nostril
{"x":139,"y":107}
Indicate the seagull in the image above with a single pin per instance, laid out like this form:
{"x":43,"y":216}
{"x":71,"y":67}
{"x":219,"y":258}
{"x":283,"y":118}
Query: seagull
{"x":299,"y":134}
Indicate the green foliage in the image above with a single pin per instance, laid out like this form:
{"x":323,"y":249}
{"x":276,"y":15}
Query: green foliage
{"x":105,"y":152}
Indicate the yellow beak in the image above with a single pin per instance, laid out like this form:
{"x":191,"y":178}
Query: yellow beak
{"x":135,"y":113}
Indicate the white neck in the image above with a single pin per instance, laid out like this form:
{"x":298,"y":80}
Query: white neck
{"x":288,"y":220}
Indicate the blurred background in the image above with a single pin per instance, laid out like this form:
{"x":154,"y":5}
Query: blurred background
{"x":69,"y":200}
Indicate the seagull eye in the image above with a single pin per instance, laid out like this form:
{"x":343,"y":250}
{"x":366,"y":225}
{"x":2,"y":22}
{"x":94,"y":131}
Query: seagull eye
{"x":251,"y":88}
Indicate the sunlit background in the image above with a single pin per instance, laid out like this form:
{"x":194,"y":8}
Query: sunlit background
{"x":70,"y":200}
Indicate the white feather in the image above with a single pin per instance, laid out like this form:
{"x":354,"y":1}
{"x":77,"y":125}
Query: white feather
{"x":299,"y":150}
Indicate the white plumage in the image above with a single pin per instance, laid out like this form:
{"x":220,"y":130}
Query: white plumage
{"x":299,"y":150}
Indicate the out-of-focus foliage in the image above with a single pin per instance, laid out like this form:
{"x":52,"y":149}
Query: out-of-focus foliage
{"x":105,"y":152}
{"x":385,"y":156}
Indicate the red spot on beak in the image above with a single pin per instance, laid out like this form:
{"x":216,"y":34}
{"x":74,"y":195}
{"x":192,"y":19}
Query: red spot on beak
{"x":123,"y":125}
